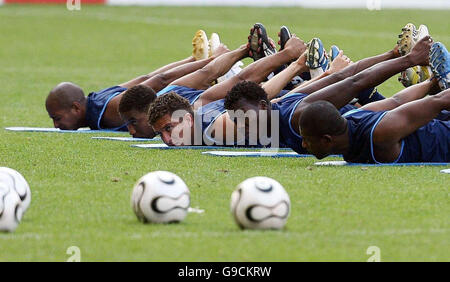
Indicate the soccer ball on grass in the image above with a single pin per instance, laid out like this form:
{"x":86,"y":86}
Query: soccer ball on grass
{"x":260,"y":203}
{"x":160,"y":197}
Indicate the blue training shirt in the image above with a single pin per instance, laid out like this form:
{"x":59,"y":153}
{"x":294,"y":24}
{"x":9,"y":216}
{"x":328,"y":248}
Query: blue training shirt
{"x":205,"y":118}
{"x":286,"y":107}
{"x":96,"y":106}
{"x":430,"y":143}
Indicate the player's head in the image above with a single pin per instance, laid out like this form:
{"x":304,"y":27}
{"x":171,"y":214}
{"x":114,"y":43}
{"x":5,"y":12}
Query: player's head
{"x":66,"y":106}
{"x":320,"y":123}
{"x":171,"y":116}
{"x":133,"y":108}
{"x":248,"y":97}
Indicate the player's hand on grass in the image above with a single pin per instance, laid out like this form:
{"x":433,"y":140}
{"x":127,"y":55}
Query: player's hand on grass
{"x":419,"y":54}
{"x":340,"y":62}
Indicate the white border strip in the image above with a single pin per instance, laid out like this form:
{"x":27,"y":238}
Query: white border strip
{"x":1,"y":2}
{"x":322,"y":4}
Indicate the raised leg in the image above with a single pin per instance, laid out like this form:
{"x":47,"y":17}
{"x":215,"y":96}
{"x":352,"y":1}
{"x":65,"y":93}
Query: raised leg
{"x":202,"y":78}
{"x":161,"y":70}
{"x":161,"y":80}
{"x":256,"y":72}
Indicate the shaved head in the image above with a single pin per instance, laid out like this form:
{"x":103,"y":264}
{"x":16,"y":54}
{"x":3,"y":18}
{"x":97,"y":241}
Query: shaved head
{"x":321,"y":118}
{"x":320,"y":124}
{"x":65,"y":94}
{"x":66,"y":106}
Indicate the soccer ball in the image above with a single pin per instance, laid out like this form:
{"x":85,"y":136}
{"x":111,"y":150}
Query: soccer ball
{"x":160,"y":197}
{"x":260,"y":203}
{"x":15,"y":180}
{"x":10,"y":208}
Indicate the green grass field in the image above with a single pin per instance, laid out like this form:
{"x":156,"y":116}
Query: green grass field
{"x":81,"y":187}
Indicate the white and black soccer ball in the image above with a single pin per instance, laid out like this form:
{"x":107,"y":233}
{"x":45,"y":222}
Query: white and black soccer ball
{"x":15,"y":180}
{"x":260,"y":203}
{"x":160,"y":197}
{"x":10,"y":208}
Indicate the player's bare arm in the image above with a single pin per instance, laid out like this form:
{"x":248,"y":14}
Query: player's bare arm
{"x":341,"y":93}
